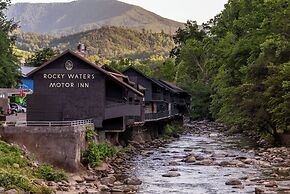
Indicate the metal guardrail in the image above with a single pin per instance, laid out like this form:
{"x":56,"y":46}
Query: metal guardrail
{"x":47,"y":123}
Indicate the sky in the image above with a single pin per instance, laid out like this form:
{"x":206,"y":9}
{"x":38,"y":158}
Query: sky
{"x":179,"y":10}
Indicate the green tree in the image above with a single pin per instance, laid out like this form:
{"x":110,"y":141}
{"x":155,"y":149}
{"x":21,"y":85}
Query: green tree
{"x":41,"y":56}
{"x":9,"y":70}
{"x":192,"y":72}
{"x":251,"y":56}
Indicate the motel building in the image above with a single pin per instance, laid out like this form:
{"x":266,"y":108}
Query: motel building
{"x":71,"y":88}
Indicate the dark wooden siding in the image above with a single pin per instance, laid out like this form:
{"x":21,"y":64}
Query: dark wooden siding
{"x":73,"y":103}
{"x":141,"y":80}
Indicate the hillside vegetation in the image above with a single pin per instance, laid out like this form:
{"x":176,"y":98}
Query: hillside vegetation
{"x":106,"y":42}
{"x":82,"y":15}
{"x":19,"y":172}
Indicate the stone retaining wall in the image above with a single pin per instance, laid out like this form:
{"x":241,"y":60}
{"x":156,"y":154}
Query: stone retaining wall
{"x":59,"y":146}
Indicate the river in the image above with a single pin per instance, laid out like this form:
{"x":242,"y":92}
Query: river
{"x":218,"y":159}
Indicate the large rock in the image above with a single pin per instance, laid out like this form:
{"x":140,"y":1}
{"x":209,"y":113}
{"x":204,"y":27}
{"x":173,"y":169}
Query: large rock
{"x":91,"y":191}
{"x":133,"y":181}
{"x":78,"y":179}
{"x":270,"y":184}
{"x":108,"y":180}
{"x":171,"y":174}
{"x":285,"y":171}
{"x":104,"y":188}
{"x":172,"y":163}
{"x":11,"y":191}
{"x":187,"y":150}
{"x":199,"y":157}
{"x":259,"y":191}
{"x":103,"y":167}
{"x":233,"y":181}
{"x":117,"y":189}
{"x":206,"y":162}
{"x":131,"y":188}
{"x":250,"y":161}
{"x":190,"y":159}
{"x":90,"y":178}
{"x":214,"y":135}
{"x":264,"y":164}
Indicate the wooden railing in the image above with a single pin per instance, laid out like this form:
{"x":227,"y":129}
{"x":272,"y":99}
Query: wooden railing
{"x":160,"y":115}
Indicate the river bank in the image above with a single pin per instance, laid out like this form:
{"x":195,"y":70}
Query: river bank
{"x":200,"y":160}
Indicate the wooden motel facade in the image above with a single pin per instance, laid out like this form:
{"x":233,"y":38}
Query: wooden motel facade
{"x":69,"y":88}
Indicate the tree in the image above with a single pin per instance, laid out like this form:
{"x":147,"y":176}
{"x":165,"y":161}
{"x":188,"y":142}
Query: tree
{"x":41,"y":56}
{"x":9,"y":70}
{"x":190,"y":31}
{"x":251,"y":54}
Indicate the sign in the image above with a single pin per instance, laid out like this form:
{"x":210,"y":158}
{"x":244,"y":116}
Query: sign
{"x":69,"y":65}
{"x":78,"y":80}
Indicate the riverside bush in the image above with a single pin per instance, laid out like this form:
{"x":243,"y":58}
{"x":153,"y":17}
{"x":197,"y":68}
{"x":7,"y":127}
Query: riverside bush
{"x":90,"y":133}
{"x":46,"y":172}
{"x":171,"y":129}
{"x":95,"y":153}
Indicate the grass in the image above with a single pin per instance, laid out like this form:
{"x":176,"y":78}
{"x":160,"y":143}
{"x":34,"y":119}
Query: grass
{"x":17,"y":171}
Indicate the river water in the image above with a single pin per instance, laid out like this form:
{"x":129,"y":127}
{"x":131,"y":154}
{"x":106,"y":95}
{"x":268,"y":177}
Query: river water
{"x":198,"y":177}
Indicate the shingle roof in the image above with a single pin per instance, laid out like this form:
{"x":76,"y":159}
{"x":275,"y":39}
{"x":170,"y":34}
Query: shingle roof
{"x":172,"y":87}
{"x":26,"y":70}
{"x":139,"y":72}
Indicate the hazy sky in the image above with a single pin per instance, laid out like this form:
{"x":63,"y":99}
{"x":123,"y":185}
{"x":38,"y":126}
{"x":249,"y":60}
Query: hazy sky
{"x":179,"y":10}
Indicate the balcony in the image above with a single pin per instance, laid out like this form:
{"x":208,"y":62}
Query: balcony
{"x":157,"y":116}
{"x":116,"y":109}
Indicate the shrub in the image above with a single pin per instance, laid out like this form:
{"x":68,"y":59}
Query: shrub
{"x":95,"y":153}
{"x":171,"y":129}
{"x":46,"y":172}
{"x":90,"y":133}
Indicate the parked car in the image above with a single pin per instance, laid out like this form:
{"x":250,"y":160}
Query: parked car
{"x":15,"y":108}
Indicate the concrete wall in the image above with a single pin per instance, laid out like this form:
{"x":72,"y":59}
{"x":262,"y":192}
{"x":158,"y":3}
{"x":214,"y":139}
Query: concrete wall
{"x":59,"y":146}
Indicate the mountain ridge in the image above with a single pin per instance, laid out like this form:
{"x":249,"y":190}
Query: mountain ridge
{"x":72,"y":17}
{"x":109,"y":42}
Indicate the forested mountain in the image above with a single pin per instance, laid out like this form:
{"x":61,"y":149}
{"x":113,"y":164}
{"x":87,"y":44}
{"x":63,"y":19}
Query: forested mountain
{"x":106,"y":42}
{"x":82,"y":15}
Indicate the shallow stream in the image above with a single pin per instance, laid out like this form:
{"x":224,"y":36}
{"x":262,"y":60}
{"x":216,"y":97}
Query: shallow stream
{"x":199,"y":177}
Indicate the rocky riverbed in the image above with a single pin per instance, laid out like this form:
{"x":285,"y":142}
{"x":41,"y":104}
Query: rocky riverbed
{"x":202,"y":160}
